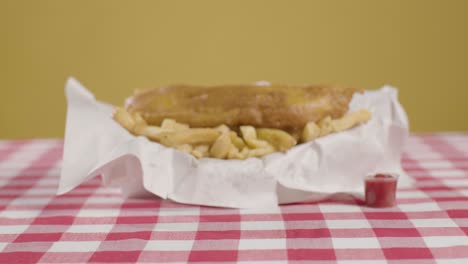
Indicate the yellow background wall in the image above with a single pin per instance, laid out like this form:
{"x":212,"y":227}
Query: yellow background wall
{"x":115,"y":46}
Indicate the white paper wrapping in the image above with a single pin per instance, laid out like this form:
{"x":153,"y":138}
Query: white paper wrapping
{"x":96,"y":145}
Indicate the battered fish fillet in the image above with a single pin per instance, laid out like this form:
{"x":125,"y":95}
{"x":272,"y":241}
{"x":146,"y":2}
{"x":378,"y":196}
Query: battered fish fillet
{"x":271,"y":106}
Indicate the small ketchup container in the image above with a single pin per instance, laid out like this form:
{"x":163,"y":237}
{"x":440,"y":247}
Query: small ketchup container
{"x":381,"y":190}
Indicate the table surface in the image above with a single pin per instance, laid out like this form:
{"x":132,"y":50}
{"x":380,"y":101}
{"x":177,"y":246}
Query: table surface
{"x":95,"y":224}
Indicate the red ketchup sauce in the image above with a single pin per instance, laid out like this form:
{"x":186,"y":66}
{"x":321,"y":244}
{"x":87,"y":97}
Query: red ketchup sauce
{"x":381,"y":190}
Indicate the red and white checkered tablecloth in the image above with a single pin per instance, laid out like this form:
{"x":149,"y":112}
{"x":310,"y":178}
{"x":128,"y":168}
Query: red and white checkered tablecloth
{"x":94,"y":224}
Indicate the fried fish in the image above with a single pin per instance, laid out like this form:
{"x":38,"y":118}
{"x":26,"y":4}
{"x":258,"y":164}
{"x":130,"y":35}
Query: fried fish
{"x":272,"y":106}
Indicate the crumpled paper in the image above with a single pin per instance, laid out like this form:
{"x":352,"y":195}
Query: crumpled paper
{"x":96,"y":145}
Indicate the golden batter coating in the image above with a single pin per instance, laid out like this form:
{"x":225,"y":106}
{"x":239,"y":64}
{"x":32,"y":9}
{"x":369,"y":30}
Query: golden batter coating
{"x":271,"y":106}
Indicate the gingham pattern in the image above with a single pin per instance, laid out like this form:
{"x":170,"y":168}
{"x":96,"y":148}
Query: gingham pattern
{"x":94,"y":224}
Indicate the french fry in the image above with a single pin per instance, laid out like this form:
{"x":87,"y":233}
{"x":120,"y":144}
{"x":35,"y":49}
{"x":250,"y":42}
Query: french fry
{"x":250,"y":137}
{"x":192,"y":136}
{"x":350,"y":120}
{"x":187,"y":148}
{"x":171,"y":124}
{"x":154,"y":133}
{"x":236,"y":140}
{"x":221,"y":146}
{"x":139,"y":121}
{"x":223,"y":128}
{"x":234,"y":153}
{"x":311,"y":131}
{"x":279,"y":139}
{"x":325,"y":126}
{"x":124,"y":118}
{"x":243,"y":153}
{"x":201,"y":151}
{"x":259,"y":152}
